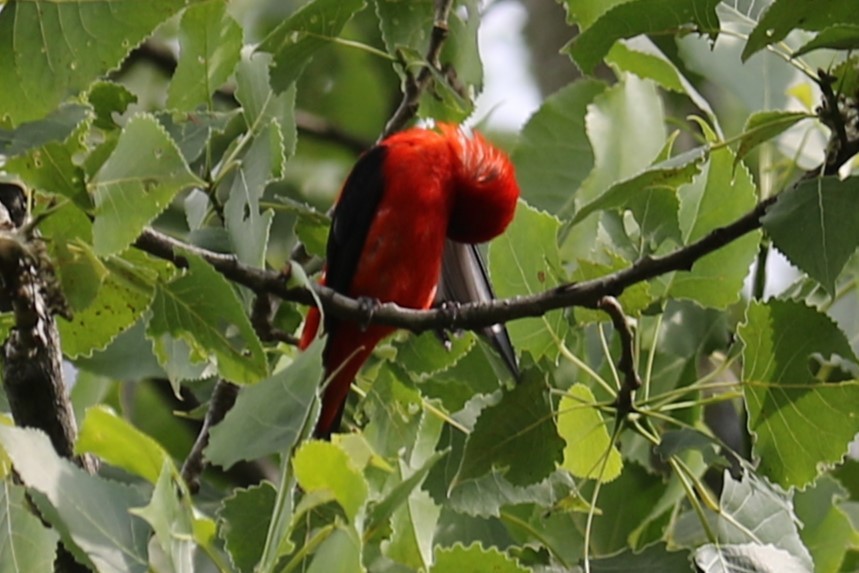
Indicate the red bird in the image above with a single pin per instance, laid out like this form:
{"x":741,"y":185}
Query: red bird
{"x":402,"y":200}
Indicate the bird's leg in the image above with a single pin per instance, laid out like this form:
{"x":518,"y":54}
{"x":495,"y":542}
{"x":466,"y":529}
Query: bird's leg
{"x":450,"y":310}
{"x":368,"y":308}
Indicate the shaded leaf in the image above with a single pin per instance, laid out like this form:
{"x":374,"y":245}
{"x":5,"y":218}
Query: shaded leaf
{"x":90,"y":512}
{"x":553,"y":156}
{"x":641,"y":17}
{"x":838,"y":37}
{"x":26,"y":546}
{"x":405,"y":24}
{"x":202,"y":309}
{"x":172,"y":518}
{"x":654,"y":559}
{"x":783,"y":16}
{"x":517,"y":436}
{"x":269,"y":416}
{"x":816,"y":225}
{"x":57,"y":126}
{"x":294,"y":41}
{"x":525,"y":260}
{"x":245,"y":517}
{"x":209,"y":45}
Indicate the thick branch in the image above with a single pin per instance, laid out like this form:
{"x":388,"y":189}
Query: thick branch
{"x":469,"y":316}
{"x":32,"y":359}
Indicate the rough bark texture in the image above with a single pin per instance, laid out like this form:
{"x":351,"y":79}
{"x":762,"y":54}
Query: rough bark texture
{"x":32,"y":358}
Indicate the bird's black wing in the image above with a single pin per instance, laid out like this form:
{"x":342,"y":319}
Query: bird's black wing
{"x":465,"y":279}
{"x":352,"y":218}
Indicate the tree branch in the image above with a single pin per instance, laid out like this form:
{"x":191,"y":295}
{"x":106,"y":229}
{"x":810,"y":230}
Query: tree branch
{"x":415,"y":85}
{"x":468,"y":316}
{"x":626,"y":364}
{"x":32,"y":359}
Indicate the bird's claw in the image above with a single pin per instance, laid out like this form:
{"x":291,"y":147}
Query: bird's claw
{"x":368,"y":307}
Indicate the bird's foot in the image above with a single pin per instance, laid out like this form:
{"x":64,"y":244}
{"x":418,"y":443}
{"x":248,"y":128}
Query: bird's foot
{"x":368,"y":307}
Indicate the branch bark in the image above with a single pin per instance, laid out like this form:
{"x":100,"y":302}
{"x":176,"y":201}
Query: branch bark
{"x":468,"y":316}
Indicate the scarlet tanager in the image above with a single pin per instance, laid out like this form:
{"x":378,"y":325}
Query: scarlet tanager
{"x":403,"y":199}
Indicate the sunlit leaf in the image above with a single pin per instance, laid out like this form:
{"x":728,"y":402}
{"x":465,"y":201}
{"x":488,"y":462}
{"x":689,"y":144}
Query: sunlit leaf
{"x":800,"y":423}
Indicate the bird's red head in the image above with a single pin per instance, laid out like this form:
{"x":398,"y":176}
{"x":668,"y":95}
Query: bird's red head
{"x":485,"y":188}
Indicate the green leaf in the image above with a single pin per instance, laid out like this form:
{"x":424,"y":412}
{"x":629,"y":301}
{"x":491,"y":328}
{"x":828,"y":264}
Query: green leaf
{"x":783,"y":16}
{"x":50,"y":169}
{"x":245,"y":517}
{"x":626,"y":127}
{"x":405,"y":24}
{"x":121,"y":299}
{"x":49,"y":50}
{"x":202,"y":309}
{"x":90,"y":512}
{"x":630,"y":19}
{"x":827,"y":531}
{"x":621,"y":514}
{"x":339,"y":553}
{"x":247,"y":226}
{"x":586,"y":12}
{"x":634,"y":299}
{"x":172,"y":518}
{"x":800,"y":423}
{"x":517,"y":436}
{"x":117,"y":442}
{"x":58,"y":126}
{"x":589,"y":452}
{"x":324,"y":468}
{"x":553,"y":156}
{"x":816,"y":226}
{"x":209,"y":45}
{"x":414,"y":521}
{"x":269,"y":416}
{"x":425,"y":355}
{"x":839,"y":37}
{"x":765,"y":125}
{"x":755,"y":511}
{"x":69,"y":235}
{"x":650,"y":195}
{"x":654,"y":559}
{"x":525,"y":260}
{"x":398,"y":497}
{"x":107,"y":99}
{"x":295,"y":40}
{"x":260,"y":106}
{"x":26,"y":546}
{"x":641,"y":57}
{"x":717,"y":197}
{"x":474,"y":559}
{"x":136,"y":183}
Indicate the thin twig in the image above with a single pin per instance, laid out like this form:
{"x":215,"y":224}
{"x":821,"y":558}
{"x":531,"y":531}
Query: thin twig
{"x":415,"y":85}
{"x":626,"y":365}
{"x":223,"y":398}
